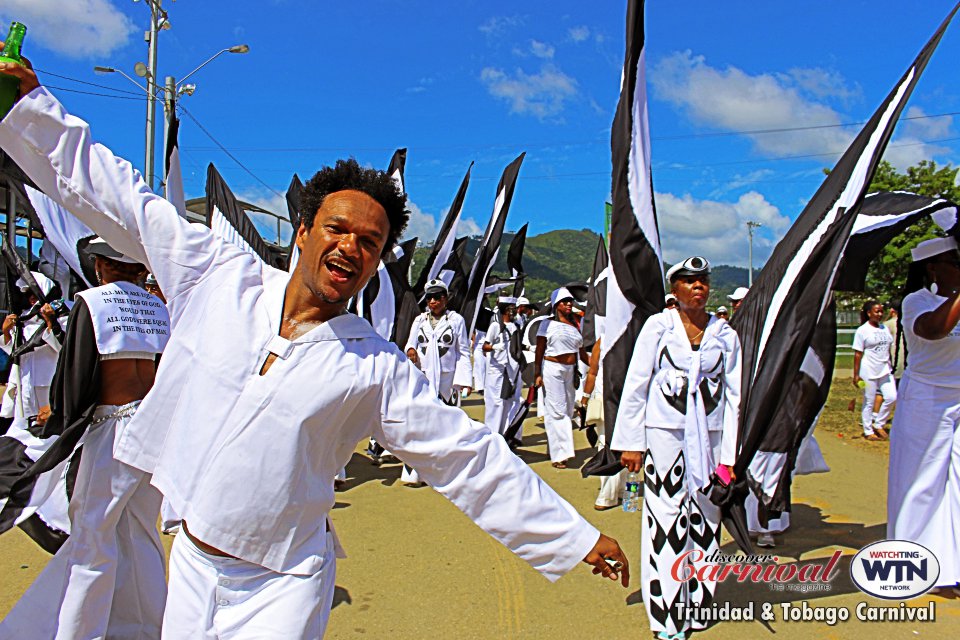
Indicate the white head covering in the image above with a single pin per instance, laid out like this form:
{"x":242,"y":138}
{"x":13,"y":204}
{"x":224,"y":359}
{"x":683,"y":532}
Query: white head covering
{"x":667,"y":299}
{"x":694,"y":265}
{"x":722,"y":309}
{"x":506,"y":300}
{"x":560,"y":294}
{"x":99,"y":247}
{"x":436,"y":286}
{"x":45,"y":283}
{"x":738,"y":294}
{"x":931,"y":248}
{"x":522,"y":301}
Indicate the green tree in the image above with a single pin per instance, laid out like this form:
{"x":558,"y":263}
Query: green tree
{"x":888,"y":271}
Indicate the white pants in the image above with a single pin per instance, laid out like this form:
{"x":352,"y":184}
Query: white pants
{"x":774,"y":525}
{"x":497,"y":411}
{"x":558,"y":394}
{"x":216,"y":598}
{"x":923,"y":491}
{"x":888,"y":389}
{"x":611,"y":487}
{"x":479,"y":367}
{"x":107,"y":580}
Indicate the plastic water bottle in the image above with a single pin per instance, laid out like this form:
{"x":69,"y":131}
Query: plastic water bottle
{"x":631,"y":493}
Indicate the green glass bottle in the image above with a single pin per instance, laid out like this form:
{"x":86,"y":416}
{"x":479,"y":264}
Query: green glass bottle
{"x":10,"y":86}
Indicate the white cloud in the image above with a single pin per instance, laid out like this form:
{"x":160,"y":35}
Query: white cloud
{"x":499,"y":25}
{"x":267,"y":224}
{"x":468,"y":227}
{"x":911,"y":145}
{"x":541,"y":94}
{"x":822,"y":83}
{"x":426,"y":227}
{"x":542,"y":49}
{"x":579,"y":33}
{"x":78,"y":28}
{"x":717,"y":230}
{"x":734,"y":100}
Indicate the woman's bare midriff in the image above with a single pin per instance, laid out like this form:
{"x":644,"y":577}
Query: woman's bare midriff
{"x":563,"y":358}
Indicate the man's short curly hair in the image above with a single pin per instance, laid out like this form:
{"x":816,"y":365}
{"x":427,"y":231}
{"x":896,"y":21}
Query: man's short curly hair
{"x":348,"y":175}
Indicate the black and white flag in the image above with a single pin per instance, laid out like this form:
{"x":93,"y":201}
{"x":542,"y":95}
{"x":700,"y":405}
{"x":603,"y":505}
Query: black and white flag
{"x":883,"y":216}
{"x":443,"y":245}
{"x":228,"y":220}
{"x":294,"y":197}
{"x":173,"y":184}
{"x":635,"y":279}
{"x":490,"y":247}
{"x":454,"y":274}
{"x":515,"y":259}
{"x":778,"y":318}
{"x":594,"y":316}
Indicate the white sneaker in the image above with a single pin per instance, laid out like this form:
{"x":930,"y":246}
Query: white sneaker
{"x":765,"y":540}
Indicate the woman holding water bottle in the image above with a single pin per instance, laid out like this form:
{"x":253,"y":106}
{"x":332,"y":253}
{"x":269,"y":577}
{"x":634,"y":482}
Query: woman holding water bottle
{"x":678,"y":421}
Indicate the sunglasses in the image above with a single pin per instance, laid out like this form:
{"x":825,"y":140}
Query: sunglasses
{"x":435,"y":296}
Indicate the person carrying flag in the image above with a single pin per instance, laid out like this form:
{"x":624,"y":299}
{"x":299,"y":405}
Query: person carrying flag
{"x":504,"y":383}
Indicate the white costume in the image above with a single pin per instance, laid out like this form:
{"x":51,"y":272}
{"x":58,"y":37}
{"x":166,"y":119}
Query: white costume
{"x":479,"y":361}
{"x":504,"y":384}
{"x":211,"y":418}
{"x":444,"y":352}
{"x":923,"y":494}
{"x":558,"y":387}
{"x":681,"y":407}
{"x":443,"y":348}
{"x":108,"y":579}
{"x":875,"y":371}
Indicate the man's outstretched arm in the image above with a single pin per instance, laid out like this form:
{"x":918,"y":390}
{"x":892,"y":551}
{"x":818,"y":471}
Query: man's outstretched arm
{"x":56,"y":150}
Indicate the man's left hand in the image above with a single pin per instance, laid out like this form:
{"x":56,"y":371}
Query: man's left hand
{"x":607,"y":549}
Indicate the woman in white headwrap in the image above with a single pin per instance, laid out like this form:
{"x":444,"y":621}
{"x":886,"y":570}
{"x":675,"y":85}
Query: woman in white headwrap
{"x":677,"y":420}
{"x":504,"y":369}
{"x":559,"y":343}
{"x":923,"y":491}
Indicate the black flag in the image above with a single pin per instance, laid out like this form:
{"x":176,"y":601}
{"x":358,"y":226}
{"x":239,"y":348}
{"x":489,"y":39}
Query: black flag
{"x":777,"y":319}
{"x":454,"y":273}
{"x":443,"y":246}
{"x":228,"y":219}
{"x":490,"y":247}
{"x":294,"y":197}
{"x":173,"y":183}
{"x":635,"y":279}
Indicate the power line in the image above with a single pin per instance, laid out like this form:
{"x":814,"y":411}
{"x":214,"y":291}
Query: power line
{"x":90,"y":84}
{"x":93,"y":93}
{"x":224,"y":149}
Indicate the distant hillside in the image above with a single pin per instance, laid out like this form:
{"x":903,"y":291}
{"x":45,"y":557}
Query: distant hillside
{"x":557,"y":257}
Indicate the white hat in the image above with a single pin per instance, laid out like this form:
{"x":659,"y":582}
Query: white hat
{"x":738,"y":294}
{"x":99,"y":247}
{"x":667,"y":299}
{"x":522,"y":301}
{"x":722,"y":309}
{"x":692,"y":266}
{"x":560,"y":294}
{"x":506,"y":300}
{"x":436,"y":286}
{"x":931,"y":248}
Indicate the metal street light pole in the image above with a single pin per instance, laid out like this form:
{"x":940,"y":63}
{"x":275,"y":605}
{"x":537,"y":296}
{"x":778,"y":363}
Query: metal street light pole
{"x":751,"y":225}
{"x":151,"y":38}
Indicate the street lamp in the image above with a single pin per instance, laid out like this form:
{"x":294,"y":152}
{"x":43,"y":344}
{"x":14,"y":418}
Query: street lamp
{"x":751,"y":225}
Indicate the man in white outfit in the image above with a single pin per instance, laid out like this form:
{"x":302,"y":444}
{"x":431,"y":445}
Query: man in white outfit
{"x":439,"y":346}
{"x":276,"y":388}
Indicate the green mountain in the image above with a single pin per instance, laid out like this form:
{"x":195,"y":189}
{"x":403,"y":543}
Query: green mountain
{"x":557,"y":257}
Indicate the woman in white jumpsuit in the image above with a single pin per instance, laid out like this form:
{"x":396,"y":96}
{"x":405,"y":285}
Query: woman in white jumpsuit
{"x":559,"y":343}
{"x":923,"y":494}
{"x":678,"y":420}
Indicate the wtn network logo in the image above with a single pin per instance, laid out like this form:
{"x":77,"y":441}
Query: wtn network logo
{"x":895,"y":569}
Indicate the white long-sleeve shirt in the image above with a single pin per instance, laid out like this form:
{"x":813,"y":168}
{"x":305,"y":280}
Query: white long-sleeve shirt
{"x":654,"y":391}
{"x":249,"y":460}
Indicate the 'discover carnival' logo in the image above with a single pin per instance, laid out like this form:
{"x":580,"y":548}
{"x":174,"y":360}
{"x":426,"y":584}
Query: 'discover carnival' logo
{"x":894,"y":569}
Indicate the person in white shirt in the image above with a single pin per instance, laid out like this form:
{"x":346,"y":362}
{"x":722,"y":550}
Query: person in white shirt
{"x":439,"y":346}
{"x":923,"y":488}
{"x":678,"y":421}
{"x":107,"y":580}
{"x":504,"y":383}
{"x":39,"y":361}
{"x":267,"y":385}
{"x":736,"y":298}
{"x":524,"y":311}
{"x":872,"y":369}
{"x":559,"y":347}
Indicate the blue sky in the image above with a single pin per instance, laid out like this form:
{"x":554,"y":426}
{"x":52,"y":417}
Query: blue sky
{"x":483,"y":80}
